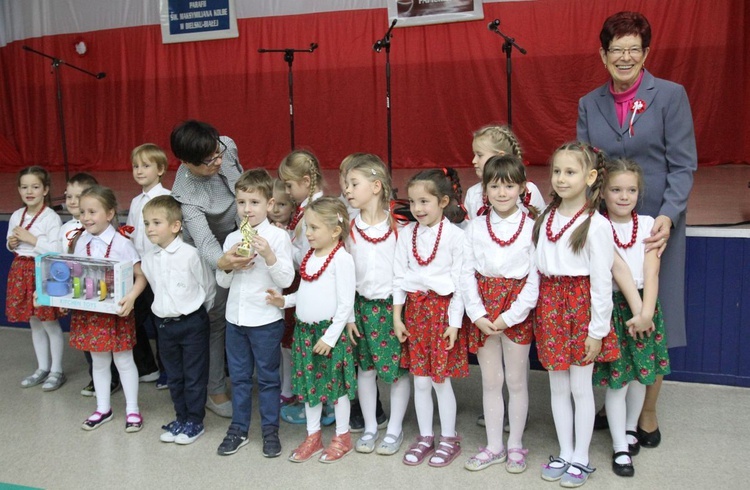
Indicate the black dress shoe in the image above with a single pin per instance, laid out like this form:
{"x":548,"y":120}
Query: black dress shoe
{"x":634,"y":449}
{"x":600,"y":421}
{"x":649,"y":439}
{"x":625,"y":469}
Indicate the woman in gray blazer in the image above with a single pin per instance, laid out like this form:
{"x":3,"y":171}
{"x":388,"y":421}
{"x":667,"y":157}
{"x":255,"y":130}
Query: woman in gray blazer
{"x":646,"y":119}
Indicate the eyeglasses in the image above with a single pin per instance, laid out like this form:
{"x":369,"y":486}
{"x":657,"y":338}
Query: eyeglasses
{"x":222,"y":148}
{"x":633,"y":51}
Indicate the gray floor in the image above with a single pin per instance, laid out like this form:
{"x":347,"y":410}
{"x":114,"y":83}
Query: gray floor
{"x":705,"y":442}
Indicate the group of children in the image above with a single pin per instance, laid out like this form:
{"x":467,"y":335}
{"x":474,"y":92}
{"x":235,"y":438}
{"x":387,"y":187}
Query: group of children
{"x":379,"y":298}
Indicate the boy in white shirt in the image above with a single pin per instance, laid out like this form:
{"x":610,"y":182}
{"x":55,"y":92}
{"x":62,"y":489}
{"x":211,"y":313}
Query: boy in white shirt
{"x":183,"y":293}
{"x":254,"y":328}
{"x":149,"y":164}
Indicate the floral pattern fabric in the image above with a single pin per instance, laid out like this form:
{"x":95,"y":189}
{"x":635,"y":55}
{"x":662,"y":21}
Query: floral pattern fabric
{"x":425,"y":354}
{"x":321,"y":379}
{"x":19,"y":303}
{"x":101,"y":332}
{"x":563,"y":314}
{"x":641,"y":359}
{"x":498,"y":294}
{"x":378,"y":347}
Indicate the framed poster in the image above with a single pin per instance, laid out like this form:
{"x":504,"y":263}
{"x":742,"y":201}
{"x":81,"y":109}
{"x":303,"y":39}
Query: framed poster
{"x":422,"y":12}
{"x":197,"y":20}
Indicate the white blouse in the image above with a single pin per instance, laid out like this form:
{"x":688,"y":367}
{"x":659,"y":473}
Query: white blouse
{"x":594,"y":260}
{"x":473,"y":199}
{"x":373,"y":262}
{"x":135,"y":218}
{"x":634,"y":256}
{"x":330,"y":297}
{"x":442,"y":275}
{"x":514,"y":261}
{"x":46,"y":229}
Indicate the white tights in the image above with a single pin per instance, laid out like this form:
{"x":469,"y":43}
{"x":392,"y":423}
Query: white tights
{"x":577,"y":382}
{"x":367,"y":389}
{"x":623,"y":409}
{"x":490,"y":358}
{"x":100,"y":365}
{"x":423,"y":386}
{"x":286,"y":372}
{"x":342,"y":409}
{"x":49,"y":342}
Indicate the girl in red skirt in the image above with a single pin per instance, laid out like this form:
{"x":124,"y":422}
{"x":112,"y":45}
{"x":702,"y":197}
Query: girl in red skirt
{"x":108,"y":336}
{"x":33,"y":230}
{"x":500,"y":287}
{"x":427,"y":271}
{"x":574,"y":255}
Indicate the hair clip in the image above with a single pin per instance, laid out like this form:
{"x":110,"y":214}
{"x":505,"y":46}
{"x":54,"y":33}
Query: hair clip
{"x":338,"y":215}
{"x":372,"y":170}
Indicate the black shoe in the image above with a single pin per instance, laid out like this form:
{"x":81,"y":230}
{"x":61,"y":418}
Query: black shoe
{"x":625,"y":469}
{"x":649,"y":439}
{"x":271,"y":442}
{"x":600,"y":421}
{"x":357,"y":421}
{"x":233,"y":441}
{"x":633,"y":449}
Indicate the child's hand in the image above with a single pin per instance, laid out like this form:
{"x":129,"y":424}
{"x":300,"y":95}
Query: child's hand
{"x":351,"y":329}
{"x":63,"y":311}
{"x":400,"y":330}
{"x":500,"y":324}
{"x":274,"y":298}
{"x":261,"y":246}
{"x":13,"y":242}
{"x":321,"y":348}
{"x":592,"y":348}
{"x":24,"y":235}
{"x":126,"y":305}
{"x":640,"y":326}
{"x":451,"y":334}
{"x":486,"y":326}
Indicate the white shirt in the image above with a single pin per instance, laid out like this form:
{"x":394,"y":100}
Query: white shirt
{"x":299,"y":240}
{"x":373,"y":262}
{"x":634,"y":256}
{"x":594,"y":260}
{"x":68,"y":227}
{"x":181,"y":281}
{"x":46,"y":229}
{"x":473,"y":199}
{"x":135,"y":218}
{"x":514,"y":261}
{"x":246,"y":303}
{"x":330,"y":297}
{"x":122,"y":248}
{"x":442,"y":275}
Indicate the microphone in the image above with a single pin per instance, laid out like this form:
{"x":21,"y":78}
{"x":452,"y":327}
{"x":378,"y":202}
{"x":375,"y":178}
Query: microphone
{"x":100,"y":75}
{"x":393,"y":24}
{"x":493,"y":25}
{"x":378,"y":45}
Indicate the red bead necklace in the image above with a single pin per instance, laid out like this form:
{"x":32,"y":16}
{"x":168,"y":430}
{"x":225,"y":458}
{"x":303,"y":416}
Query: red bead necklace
{"x":633,"y":235}
{"x":505,"y":243}
{"x":555,"y":237}
{"x":295,"y":220}
{"x":434,"y":250}
{"x":369,"y":238}
{"x":109,"y":248}
{"x":302,"y":268}
{"x":23,"y":216}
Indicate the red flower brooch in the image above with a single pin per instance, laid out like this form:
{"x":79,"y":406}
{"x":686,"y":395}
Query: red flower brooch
{"x":638,"y":106}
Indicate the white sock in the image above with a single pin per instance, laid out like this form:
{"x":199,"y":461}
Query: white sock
{"x":423,"y":404}
{"x":40,"y":341}
{"x":516,"y":358}
{"x":312,"y":415}
{"x":56,"y":344}
{"x":446,"y":407}
{"x":342,"y":409}
{"x":128,"y":378}
{"x":614,"y":400}
{"x":400,"y":391}
{"x":562,"y":411}
{"x":100,"y":372}
{"x":490,"y":358}
{"x":367,"y":389}
{"x":583,"y":395}
{"x":634,"y":402}
{"x":286,"y":372}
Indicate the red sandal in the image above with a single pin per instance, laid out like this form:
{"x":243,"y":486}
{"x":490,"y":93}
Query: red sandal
{"x":424,"y":446}
{"x":448,"y":450}
{"x":340,"y":446}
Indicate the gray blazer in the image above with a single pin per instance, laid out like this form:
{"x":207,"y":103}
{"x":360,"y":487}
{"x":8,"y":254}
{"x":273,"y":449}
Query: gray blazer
{"x":663,"y":144}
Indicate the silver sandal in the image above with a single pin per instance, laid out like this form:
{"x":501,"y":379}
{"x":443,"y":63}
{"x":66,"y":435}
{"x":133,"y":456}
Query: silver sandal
{"x":54,"y":381}
{"x":38,"y":377}
{"x":386,"y":448}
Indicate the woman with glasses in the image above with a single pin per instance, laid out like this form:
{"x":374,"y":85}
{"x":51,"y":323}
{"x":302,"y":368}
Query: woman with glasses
{"x":646,"y":119}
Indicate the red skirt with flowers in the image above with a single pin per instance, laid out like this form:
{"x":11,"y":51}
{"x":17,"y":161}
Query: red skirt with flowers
{"x":101,"y":332}
{"x":19,"y":303}
{"x":498,"y":294}
{"x":425,"y":353}
{"x":563,"y":313}
{"x":288,"y":338}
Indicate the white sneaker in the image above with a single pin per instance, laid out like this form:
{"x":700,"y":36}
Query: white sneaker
{"x":220,"y":409}
{"x":149,"y":378}
{"x":190,"y":432}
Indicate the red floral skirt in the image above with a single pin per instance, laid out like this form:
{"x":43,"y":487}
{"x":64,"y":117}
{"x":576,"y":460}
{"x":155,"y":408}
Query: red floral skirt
{"x":101,"y":332}
{"x":563,"y":313}
{"x":19,"y":302}
{"x":498,"y":294}
{"x":424,"y":352}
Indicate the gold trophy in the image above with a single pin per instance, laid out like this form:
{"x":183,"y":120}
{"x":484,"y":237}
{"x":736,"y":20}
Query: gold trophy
{"x":248,"y":233}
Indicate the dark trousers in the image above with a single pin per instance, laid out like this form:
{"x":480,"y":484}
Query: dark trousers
{"x":183,"y":343}
{"x":143,"y":355}
{"x":255,"y":349}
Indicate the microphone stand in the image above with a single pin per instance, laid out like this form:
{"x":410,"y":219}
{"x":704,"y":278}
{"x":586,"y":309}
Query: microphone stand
{"x":385,"y":42}
{"x":56,"y":63}
{"x":289,"y":58}
{"x":507,"y":49}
